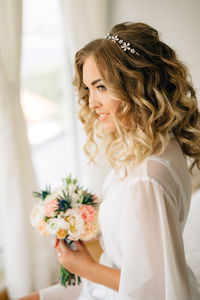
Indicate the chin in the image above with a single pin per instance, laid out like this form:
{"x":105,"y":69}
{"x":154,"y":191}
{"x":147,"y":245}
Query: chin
{"x":110,"y":128}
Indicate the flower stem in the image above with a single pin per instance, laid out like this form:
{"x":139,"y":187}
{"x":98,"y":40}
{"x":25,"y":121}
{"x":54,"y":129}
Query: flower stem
{"x":68,"y":278}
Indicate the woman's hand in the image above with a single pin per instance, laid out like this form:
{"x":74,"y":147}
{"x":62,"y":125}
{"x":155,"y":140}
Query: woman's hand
{"x":77,"y":261}
{"x":81,"y":263}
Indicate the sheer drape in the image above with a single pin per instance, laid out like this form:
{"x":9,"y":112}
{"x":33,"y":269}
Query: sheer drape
{"x":26,"y":255}
{"x":82,"y":22}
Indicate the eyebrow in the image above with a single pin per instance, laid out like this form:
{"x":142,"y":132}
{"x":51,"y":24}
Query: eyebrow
{"x":95,"y":81}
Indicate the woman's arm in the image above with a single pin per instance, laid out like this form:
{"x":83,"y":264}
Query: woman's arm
{"x":81,"y":263}
{"x":104,"y":275}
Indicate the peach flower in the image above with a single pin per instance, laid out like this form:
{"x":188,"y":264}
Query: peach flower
{"x":37,"y":214}
{"x":91,"y":230}
{"x":88,"y":213}
{"x":50,"y":207}
{"x":61,"y":233}
{"x":41,"y":227}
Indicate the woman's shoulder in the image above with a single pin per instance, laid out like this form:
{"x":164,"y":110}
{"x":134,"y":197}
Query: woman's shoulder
{"x":155,"y":169}
{"x":168,"y":169}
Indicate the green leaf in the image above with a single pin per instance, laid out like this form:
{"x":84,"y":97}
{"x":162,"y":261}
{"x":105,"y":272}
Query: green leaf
{"x":43,"y":193}
{"x":87,"y":199}
{"x":68,"y":278}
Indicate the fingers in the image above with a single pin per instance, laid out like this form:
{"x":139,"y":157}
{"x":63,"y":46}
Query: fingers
{"x":63,"y":245}
{"x":59,"y":252}
{"x":79,"y":243}
{"x":63,"y":250}
{"x":56,"y":242}
{"x":81,"y":246}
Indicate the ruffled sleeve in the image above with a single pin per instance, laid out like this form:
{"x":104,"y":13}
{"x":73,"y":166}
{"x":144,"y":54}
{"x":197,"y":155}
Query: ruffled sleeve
{"x":152,"y":255}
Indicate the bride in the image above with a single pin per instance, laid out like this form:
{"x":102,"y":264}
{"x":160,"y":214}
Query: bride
{"x":135,"y":95}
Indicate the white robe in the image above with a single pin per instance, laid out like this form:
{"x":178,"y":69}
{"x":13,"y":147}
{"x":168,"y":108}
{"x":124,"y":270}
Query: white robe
{"x":142,"y":219}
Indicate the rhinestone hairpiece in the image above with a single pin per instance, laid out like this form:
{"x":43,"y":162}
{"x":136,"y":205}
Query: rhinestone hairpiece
{"x":124,"y":45}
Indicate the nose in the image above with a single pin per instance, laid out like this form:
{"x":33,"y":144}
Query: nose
{"x":94,"y":103}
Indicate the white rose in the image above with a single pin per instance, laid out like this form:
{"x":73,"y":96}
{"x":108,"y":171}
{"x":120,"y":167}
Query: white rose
{"x":76,"y":224}
{"x":52,"y":226}
{"x":55,"y":224}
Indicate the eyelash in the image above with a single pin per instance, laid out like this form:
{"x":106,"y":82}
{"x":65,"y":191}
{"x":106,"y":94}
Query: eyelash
{"x":99,"y":87}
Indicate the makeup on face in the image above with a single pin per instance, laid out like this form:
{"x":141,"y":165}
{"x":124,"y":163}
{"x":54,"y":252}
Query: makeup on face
{"x":99,"y":99}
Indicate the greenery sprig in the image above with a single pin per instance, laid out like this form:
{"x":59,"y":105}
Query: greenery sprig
{"x":43,"y":194}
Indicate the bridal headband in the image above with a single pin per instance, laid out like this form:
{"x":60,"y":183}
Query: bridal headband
{"x":124,"y":45}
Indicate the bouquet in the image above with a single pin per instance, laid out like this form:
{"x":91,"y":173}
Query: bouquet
{"x":69,"y":213}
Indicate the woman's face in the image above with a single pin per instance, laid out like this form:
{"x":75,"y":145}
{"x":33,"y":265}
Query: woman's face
{"x":99,"y":99}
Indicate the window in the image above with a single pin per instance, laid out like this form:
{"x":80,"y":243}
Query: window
{"x":42,"y":90}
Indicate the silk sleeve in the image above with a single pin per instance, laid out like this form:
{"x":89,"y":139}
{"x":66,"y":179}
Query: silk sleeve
{"x":152,"y":254}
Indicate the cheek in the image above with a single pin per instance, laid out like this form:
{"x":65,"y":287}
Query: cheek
{"x":113,"y":105}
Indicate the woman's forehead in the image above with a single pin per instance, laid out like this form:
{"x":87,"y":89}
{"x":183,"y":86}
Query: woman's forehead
{"x":90,"y":70}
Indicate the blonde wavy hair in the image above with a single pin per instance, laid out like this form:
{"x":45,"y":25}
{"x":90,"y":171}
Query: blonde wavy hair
{"x":156,"y":93}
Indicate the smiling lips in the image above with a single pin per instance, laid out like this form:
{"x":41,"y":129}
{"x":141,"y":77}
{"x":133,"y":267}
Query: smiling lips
{"x":103,"y":117}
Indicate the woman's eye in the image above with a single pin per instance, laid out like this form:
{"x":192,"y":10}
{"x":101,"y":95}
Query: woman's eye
{"x":86,"y":88}
{"x":101,"y":88}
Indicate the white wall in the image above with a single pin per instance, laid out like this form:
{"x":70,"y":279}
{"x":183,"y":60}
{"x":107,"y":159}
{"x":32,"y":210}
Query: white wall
{"x":178,"y":22}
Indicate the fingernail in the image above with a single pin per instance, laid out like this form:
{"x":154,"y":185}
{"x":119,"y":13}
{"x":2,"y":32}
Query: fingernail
{"x":56,"y":243}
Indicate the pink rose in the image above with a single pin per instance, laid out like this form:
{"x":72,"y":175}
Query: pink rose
{"x":88,"y":213}
{"x":50,"y":207}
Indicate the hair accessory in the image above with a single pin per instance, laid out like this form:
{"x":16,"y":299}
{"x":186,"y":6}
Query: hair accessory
{"x":124,"y":45}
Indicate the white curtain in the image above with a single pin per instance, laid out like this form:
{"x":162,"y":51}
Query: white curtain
{"x":26,"y":255}
{"x":83,"y":21}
